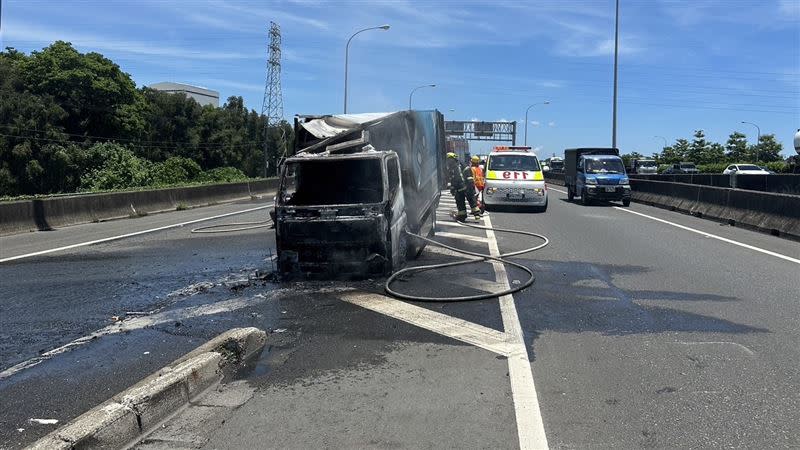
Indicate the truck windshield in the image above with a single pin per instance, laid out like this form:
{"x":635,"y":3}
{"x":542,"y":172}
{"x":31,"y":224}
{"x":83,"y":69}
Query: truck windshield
{"x":556,"y":165}
{"x":527,"y":163}
{"x":332,"y":182}
{"x":647,"y":163}
{"x":605,"y":165}
{"x":687,"y":166}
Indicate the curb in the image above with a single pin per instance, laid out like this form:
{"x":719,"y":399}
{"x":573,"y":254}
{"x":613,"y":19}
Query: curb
{"x":127,"y":416}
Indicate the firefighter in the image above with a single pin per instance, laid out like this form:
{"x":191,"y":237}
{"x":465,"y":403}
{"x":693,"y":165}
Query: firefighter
{"x":459,"y":186}
{"x":479,"y":179}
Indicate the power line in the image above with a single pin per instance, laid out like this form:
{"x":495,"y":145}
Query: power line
{"x":135,"y":141}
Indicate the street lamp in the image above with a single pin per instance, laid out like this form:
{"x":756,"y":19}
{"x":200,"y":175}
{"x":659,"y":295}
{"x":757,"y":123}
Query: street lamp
{"x":347,"y":55}
{"x":616,"y":57}
{"x":414,"y":90}
{"x":526,"y":118}
{"x":758,"y":140}
{"x":665,"y":140}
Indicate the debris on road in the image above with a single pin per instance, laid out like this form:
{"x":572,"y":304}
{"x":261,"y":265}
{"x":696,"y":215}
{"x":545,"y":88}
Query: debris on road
{"x":279,"y":330}
{"x":44,"y":421}
{"x":192,"y":289}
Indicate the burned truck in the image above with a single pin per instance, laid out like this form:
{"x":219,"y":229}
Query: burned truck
{"x":354,"y":186}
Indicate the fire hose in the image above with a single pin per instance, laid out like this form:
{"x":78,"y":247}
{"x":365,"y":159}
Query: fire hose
{"x":478,"y":257}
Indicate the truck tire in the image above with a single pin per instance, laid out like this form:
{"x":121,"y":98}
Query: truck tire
{"x":585,"y":198}
{"x":570,"y":194}
{"x":626,"y":202}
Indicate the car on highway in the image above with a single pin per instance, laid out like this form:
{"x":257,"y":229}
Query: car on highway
{"x":681,"y":168}
{"x":744,"y":169}
{"x":596,"y":174}
{"x":514,"y":177}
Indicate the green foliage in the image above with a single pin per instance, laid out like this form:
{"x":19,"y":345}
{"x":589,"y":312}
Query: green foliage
{"x":121,"y":169}
{"x":778,"y":167}
{"x":768,"y":148}
{"x":224,"y":174}
{"x":712,"y":168}
{"x":175,"y":170}
{"x":59,"y":108}
{"x":736,"y":147}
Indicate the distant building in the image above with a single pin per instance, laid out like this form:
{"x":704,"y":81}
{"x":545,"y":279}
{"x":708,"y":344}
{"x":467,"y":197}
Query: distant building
{"x":202,"y":96}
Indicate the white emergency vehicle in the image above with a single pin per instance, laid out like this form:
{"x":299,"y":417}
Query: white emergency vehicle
{"x":514,"y":177}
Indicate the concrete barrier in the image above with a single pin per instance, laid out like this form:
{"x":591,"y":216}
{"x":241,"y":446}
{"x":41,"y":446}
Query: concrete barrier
{"x":778,"y":183}
{"x":47,"y":213}
{"x":765,"y":211}
{"x":554,"y":177}
{"x":122,"y":420}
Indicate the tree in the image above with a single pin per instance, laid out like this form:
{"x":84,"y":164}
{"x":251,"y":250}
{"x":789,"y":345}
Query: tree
{"x":675,"y":153}
{"x":769,"y":149}
{"x":714,"y":154}
{"x":698,"y":148}
{"x":736,"y":147}
{"x":90,"y":88}
{"x":626,"y":158}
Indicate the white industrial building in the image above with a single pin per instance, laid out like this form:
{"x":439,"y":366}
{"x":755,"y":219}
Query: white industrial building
{"x":201,"y":95}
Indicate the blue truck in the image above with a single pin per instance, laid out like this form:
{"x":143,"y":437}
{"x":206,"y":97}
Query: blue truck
{"x":596,"y":174}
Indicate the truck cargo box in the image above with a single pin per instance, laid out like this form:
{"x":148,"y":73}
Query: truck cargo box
{"x":355,"y":184}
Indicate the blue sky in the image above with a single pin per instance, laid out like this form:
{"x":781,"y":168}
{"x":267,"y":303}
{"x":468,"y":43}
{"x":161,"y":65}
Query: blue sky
{"x":684,"y":65}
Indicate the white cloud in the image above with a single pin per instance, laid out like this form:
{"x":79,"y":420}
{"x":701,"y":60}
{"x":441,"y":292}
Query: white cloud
{"x":535,"y":123}
{"x":551,"y":124}
{"x":789,"y":7}
{"x":29,"y":32}
{"x":550,"y":84}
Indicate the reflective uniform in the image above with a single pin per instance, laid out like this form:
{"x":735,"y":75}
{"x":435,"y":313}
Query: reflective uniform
{"x":461,"y":187}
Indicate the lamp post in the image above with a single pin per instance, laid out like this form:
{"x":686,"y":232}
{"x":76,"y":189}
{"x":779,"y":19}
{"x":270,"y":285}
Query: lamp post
{"x":347,"y":57}
{"x":758,"y":139}
{"x":665,"y":141}
{"x":414,"y":90}
{"x":616,"y":57}
{"x":526,"y":118}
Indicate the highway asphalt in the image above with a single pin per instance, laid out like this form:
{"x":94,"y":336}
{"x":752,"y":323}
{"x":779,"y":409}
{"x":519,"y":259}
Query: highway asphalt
{"x":640,"y":334}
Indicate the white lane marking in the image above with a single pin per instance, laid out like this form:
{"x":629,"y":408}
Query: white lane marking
{"x":713,"y":236}
{"x":461,"y":330}
{"x":443,"y":251}
{"x":140,"y":322}
{"x":557,"y":190}
{"x":450,"y":224}
{"x":530,"y":427}
{"x":127,"y":235}
{"x":465,"y":237}
{"x":708,"y":235}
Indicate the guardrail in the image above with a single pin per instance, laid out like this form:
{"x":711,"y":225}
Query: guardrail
{"x":774,"y":213}
{"x":47,"y":213}
{"x":777,"y":183}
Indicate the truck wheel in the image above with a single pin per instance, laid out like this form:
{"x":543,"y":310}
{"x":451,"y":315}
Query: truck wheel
{"x":626,"y":202}
{"x":570,"y":194}
{"x":585,"y":198}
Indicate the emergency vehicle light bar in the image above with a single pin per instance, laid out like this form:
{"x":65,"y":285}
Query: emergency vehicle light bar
{"x":512,"y":148}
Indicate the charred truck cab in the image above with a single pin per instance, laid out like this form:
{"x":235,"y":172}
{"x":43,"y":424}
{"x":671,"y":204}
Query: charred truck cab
{"x":350,"y":193}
